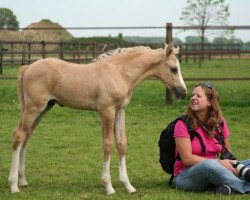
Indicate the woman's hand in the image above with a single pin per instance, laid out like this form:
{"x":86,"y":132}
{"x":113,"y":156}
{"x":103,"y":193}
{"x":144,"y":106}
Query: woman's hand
{"x":229,"y":165}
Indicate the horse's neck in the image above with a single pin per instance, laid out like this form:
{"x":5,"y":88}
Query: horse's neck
{"x":139,"y":68}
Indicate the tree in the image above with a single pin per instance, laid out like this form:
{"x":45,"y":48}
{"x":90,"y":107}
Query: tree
{"x":203,"y":13}
{"x":194,"y":39}
{"x":234,"y":40}
{"x":177,"y":41}
{"x":247,"y":46}
{"x":220,"y":40}
{"x":8,"y":19}
{"x":120,"y":36}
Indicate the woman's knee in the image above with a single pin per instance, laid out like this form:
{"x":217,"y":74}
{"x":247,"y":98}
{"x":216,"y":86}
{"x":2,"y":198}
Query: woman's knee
{"x":246,"y":162}
{"x":210,"y":164}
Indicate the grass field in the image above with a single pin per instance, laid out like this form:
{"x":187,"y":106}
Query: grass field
{"x":64,"y":159}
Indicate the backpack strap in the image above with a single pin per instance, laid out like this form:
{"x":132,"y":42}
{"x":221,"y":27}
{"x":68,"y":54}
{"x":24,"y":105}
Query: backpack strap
{"x":203,"y":147}
{"x":171,"y":181}
{"x":192,"y":132}
{"x":220,"y":138}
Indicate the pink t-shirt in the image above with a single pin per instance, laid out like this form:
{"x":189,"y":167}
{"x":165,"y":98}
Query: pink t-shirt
{"x":212,"y":145}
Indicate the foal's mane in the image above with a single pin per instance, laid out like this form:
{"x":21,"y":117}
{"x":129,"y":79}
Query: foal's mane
{"x":122,"y":51}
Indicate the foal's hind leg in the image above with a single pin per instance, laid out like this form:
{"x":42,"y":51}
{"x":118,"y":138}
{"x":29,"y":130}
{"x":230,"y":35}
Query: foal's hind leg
{"x":21,"y":169}
{"x":19,"y":137}
{"x":121,"y":145}
{"x":13,"y":177}
{"x":29,"y":119}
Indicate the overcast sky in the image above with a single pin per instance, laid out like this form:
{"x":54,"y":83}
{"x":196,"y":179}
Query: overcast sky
{"x":112,"y":13}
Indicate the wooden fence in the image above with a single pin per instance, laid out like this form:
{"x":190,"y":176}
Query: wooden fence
{"x":24,"y":52}
{"x":198,"y":51}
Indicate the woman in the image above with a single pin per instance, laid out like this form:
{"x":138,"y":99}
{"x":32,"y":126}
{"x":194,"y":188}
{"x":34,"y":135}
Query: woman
{"x":197,"y":170}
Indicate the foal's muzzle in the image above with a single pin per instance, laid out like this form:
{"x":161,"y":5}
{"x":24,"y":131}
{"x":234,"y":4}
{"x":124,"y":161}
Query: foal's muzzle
{"x":180,"y":92}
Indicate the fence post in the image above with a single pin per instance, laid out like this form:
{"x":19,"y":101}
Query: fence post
{"x":180,"y":54}
{"x":61,"y":50}
{"x":73,"y":47}
{"x":209,"y":51}
{"x":186,"y":50}
{"x":78,"y":52}
{"x":239,"y":50}
{"x":201,"y":53}
{"x":94,"y":49}
{"x":169,"y":39}
{"x":29,"y":51}
{"x":169,"y":33}
{"x":194,"y":48}
{"x":23,"y":53}
{"x":43,"y":49}
{"x":1,"y":58}
{"x":12,"y":55}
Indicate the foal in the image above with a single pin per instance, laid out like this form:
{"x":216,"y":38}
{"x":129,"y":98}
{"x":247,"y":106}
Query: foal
{"x":105,"y":86}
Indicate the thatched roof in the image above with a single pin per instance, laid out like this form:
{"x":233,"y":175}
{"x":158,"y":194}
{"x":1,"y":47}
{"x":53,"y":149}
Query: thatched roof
{"x":37,"y":35}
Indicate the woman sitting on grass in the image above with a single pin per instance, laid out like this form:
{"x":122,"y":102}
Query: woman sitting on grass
{"x":197,"y":170}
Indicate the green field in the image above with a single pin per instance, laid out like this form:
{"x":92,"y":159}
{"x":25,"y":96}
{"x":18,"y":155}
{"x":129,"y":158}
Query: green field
{"x":64,"y":158}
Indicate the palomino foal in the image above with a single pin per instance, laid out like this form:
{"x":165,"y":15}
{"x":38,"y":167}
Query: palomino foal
{"x":105,"y":86}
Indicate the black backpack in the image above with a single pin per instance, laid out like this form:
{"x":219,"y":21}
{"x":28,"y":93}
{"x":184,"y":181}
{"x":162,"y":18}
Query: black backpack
{"x":167,"y":144}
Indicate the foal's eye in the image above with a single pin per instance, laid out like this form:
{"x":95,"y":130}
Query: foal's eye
{"x":174,"y":70}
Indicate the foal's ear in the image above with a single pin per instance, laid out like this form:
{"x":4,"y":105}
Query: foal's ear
{"x":170,"y":49}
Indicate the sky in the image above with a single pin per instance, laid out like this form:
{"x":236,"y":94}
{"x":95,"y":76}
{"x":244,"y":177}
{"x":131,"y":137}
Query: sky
{"x":118,"y":13}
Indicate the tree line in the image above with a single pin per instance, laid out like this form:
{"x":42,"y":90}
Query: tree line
{"x":190,"y":40}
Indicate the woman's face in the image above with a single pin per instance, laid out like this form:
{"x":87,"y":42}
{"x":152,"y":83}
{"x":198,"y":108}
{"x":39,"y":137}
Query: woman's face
{"x":199,"y":101}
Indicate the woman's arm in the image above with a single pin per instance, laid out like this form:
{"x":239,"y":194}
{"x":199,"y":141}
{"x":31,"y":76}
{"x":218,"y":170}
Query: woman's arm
{"x":227,"y":144}
{"x":225,"y":132}
{"x":227,"y":163}
{"x":184,"y":148}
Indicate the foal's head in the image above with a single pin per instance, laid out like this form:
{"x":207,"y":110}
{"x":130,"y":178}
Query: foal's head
{"x":169,"y":72}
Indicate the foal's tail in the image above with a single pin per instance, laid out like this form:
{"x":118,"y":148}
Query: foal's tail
{"x":22,"y":70}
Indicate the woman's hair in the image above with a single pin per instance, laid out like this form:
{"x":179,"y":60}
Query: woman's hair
{"x":214,"y":112}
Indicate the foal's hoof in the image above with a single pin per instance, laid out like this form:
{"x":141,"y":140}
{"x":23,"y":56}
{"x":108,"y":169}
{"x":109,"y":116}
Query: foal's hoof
{"x":132,"y":190}
{"x":129,"y":188}
{"x":23,"y":183}
{"x":15,"y":190}
{"x":13,"y":186}
{"x":110,"y":191}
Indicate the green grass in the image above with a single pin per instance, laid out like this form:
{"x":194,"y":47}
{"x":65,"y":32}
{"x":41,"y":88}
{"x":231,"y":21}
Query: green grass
{"x":217,"y":69}
{"x":64,"y":159}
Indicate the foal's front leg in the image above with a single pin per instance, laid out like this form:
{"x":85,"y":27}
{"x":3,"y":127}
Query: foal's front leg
{"x":121,"y":145}
{"x":107,"y":118}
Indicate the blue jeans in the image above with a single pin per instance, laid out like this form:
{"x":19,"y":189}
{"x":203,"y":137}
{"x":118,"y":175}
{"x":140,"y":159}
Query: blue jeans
{"x":208,"y":173}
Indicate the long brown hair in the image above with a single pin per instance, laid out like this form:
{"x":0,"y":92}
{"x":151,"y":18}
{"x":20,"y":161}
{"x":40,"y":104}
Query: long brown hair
{"x":214,"y":112}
